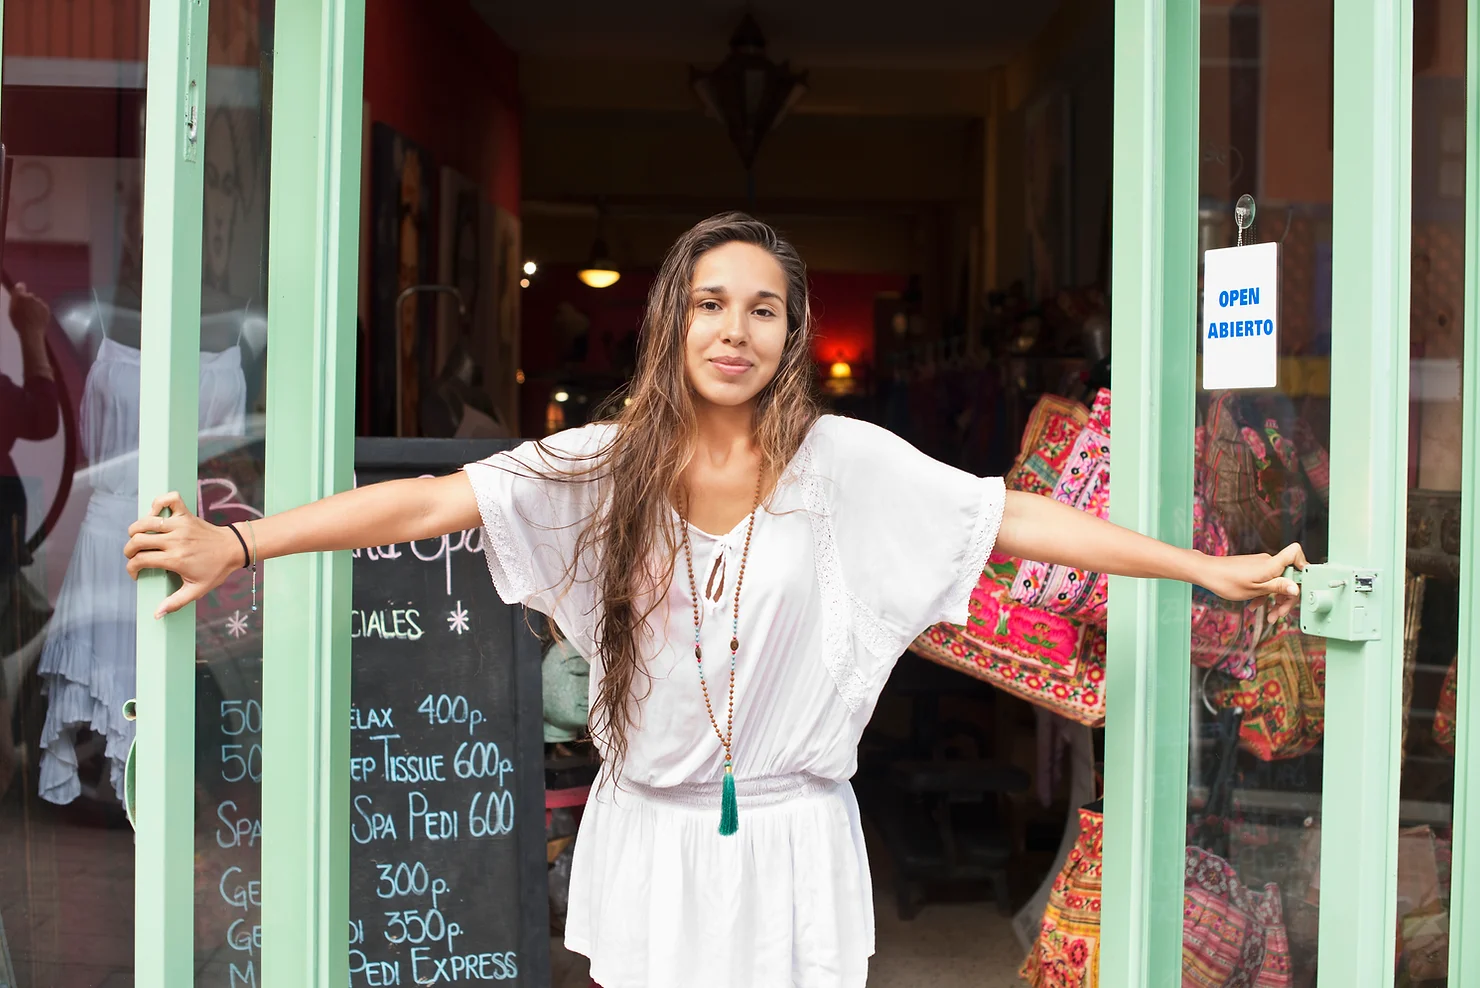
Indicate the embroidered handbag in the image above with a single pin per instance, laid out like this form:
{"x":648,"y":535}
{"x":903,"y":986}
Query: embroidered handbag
{"x":1255,"y":480}
{"x":1231,"y":934}
{"x":1284,"y":704}
{"x":1052,"y":427}
{"x":1447,"y":708}
{"x":1225,"y":635}
{"x":1067,"y":951}
{"x":1052,"y":660}
{"x":1083,"y":483}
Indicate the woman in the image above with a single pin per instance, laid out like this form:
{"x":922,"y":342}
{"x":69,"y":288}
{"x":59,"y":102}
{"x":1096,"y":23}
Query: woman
{"x":798,"y":554}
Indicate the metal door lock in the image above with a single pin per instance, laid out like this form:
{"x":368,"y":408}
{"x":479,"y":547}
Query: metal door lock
{"x":1338,"y":602}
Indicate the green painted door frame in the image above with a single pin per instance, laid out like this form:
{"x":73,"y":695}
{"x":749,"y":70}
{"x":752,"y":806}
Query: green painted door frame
{"x":1153,"y":311}
{"x":313,"y":275}
{"x":312,"y":271}
{"x":174,"y":138}
{"x":1154,"y":261}
{"x":1371,"y":244}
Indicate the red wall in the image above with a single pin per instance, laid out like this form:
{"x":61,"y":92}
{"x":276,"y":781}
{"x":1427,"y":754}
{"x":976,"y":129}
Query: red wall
{"x":438,"y":74}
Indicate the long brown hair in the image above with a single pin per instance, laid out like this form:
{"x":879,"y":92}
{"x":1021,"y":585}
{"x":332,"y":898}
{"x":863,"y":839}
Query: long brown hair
{"x":630,"y":545}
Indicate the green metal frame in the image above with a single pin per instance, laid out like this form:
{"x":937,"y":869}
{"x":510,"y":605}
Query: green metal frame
{"x":313,"y":269}
{"x":1464,"y":907}
{"x":1156,"y":128}
{"x":1154,"y":265}
{"x":1370,"y":234}
{"x":164,"y":854}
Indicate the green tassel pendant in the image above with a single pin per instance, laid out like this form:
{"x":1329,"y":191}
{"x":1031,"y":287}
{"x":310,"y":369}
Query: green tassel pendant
{"x":729,"y":806}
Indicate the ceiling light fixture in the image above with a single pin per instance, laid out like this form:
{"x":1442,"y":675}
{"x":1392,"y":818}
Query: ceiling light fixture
{"x":748,"y":92}
{"x":600,"y":271}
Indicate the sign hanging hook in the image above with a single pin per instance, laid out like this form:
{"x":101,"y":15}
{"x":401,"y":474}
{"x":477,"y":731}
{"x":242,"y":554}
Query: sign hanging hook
{"x":1243,"y":215}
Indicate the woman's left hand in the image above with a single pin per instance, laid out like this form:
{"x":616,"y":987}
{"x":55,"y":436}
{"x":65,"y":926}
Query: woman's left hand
{"x":1249,"y":577}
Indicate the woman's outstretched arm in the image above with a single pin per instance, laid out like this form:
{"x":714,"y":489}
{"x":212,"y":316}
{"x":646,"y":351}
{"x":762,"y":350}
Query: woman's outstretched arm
{"x":204,"y":555}
{"x":1043,"y":529}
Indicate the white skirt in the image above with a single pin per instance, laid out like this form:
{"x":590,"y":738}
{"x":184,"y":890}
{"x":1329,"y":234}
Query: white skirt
{"x":88,"y":662}
{"x":658,"y":899}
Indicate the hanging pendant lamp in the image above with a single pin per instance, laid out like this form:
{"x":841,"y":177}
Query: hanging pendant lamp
{"x":600,"y":270}
{"x":748,"y":92}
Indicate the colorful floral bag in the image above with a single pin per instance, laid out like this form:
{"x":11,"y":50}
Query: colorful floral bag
{"x":1447,"y":708}
{"x":1255,"y":479}
{"x":1224,"y":634}
{"x":1067,"y":952}
{"x":1083,"y":483}
{"x":1053,"y":426}
{"x":1052,"y":660}
{"x":1284,"y":704}
{"x":1231,"y":934}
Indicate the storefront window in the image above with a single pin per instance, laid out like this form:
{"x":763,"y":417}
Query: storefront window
{"x":73,"y":116}
{"x":1431,"y":622}
{"x":1252,"y":892}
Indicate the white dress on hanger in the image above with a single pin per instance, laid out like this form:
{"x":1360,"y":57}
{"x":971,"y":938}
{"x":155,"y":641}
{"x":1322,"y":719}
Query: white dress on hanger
{"x":87,"y":664}
{"x":865,"y":543}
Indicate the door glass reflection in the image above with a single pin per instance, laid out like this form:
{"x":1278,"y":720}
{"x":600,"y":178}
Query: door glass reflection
{"x":69,"y":434}
{"x":1431,"y":661}
{"x":1252,"y":888}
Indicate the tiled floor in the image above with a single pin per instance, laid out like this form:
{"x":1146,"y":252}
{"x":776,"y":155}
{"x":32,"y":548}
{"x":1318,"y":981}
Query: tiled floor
{"x":67,"y":903}
{"x":66,"y":896}
{"x":947,"y":946}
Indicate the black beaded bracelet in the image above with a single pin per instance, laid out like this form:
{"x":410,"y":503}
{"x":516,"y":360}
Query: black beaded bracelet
{"x":246,"y":554}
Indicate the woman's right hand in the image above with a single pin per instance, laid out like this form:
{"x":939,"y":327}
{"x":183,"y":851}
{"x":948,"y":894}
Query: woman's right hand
{"x":202,"y":555}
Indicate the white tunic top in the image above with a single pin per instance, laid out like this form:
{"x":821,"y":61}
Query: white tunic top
{"x":864,"y":544}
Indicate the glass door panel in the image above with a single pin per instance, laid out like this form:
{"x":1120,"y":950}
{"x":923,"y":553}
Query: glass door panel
{"x":1431,"y":657}
{"x":1260,"y":482}
{"x":72,"y":128}
{"x":233,"y":408}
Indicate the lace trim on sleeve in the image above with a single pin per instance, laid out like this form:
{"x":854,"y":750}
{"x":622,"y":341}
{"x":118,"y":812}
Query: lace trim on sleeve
{"x":508,"y":563}
{"x":837,"y":605}
{"x":983,"y":539}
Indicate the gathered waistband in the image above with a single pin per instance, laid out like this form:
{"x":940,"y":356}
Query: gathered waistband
{"x":764,"y":791}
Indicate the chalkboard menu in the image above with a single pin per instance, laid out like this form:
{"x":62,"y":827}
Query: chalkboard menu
{"x":447,"y":840}
{"x":447,"y":860}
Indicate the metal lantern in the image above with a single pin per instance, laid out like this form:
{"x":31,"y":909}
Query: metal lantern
{"x":747,"y":91}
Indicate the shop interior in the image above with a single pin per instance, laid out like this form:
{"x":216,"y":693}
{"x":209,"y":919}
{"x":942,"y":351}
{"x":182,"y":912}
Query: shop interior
{"x":945,"y":170}
{"x":946,"y":176}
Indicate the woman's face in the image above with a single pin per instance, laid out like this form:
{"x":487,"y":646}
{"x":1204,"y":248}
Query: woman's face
{"x":737,"y":324}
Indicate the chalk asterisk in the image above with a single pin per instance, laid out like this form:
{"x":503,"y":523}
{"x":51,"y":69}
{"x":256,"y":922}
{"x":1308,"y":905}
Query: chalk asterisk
{"x":458,"y":620}
{"x":236,"y":625}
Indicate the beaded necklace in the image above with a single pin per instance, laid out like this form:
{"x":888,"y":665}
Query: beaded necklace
{"x":729,"y":807}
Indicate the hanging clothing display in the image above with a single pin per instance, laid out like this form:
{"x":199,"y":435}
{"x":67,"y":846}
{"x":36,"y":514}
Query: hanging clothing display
{"x":87,"y":665}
